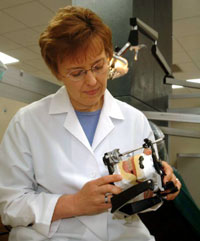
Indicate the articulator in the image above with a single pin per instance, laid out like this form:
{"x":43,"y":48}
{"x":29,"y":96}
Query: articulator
{"x":142,"y":179}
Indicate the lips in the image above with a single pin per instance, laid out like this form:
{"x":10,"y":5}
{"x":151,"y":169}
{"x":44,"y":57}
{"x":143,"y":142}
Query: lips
{"x":129,"y":166}
{"x":92,"y":92}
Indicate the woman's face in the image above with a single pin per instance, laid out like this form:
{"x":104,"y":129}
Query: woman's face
{"x":85,"y":88}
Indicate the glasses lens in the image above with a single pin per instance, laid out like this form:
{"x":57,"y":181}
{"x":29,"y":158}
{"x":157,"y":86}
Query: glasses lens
{"x":100,"y":67}
{"x":79,"y":74}
{"x":76,"y":75}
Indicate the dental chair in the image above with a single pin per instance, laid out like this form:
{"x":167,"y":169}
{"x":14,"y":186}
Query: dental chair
{"x":177,"y":220}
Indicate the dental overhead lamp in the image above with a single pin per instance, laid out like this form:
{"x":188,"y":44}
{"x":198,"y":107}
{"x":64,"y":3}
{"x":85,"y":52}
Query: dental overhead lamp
{"x":119,"y":65}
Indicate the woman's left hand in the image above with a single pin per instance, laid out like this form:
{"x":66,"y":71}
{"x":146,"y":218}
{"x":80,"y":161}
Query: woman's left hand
{"x":170,"y":176}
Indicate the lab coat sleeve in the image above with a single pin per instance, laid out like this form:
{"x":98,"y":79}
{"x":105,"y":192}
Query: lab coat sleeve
{"x":147,"y":131}
{"x":20,"y":202}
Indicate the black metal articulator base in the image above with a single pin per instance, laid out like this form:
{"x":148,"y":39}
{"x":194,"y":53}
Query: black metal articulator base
{"x":121,"y":203}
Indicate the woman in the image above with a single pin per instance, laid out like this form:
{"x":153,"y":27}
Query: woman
{"x":52,"y":150}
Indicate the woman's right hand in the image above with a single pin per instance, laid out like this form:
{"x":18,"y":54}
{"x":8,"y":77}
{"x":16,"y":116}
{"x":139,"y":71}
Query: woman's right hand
{"x":91,"y":198}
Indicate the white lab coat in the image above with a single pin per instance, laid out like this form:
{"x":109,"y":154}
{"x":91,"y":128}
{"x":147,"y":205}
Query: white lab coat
{"x":45,"y":153}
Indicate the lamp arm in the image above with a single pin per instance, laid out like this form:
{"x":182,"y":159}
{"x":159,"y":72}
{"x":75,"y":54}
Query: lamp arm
{"x":124,"y":49}
{"x":149,"y":32}
{"x":137,"y":26}
{"x":144,"y":28}
{"x":161,"y":60}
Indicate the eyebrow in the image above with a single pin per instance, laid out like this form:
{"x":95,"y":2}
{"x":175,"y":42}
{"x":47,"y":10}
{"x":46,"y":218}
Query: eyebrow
{"x":79,"y":67}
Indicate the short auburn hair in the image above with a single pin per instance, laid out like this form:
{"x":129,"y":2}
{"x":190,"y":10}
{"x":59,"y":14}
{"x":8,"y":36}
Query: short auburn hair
{"x":70,"y":33}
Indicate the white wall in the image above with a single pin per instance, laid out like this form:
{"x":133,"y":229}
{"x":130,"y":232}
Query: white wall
{"x":8,"y":108}
{"x":188,"y":167}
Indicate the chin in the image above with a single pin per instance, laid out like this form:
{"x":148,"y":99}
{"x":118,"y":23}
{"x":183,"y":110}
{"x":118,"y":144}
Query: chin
{"x":94,"y":105}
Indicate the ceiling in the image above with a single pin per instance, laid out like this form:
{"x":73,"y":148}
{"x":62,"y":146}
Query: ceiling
{"x":186,"y":38}
{"x":22,"y":21}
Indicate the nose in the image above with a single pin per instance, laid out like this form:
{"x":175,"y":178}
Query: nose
{"x":90,"y":78}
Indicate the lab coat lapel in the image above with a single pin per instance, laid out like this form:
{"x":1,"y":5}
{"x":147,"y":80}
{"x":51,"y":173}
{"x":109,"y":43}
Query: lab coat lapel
{"x":61,"y":104}
{"x":109,"y":111}
{"x":105,"y":126}
{"x":72,"y":124}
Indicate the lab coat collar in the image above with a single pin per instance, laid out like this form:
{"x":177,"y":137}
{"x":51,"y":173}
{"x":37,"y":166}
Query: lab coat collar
{"x":60,"y":103}
{"x":110,"y":111}
{"x":111,"y":107}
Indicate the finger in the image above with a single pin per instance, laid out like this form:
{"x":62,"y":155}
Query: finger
{"x":108,"y":179}
{"x":178,"y":184}
{"x":109,"y":188}
{"x":172,"y":196}
{"x":107,"y":198}
{"x":168,"y":171}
